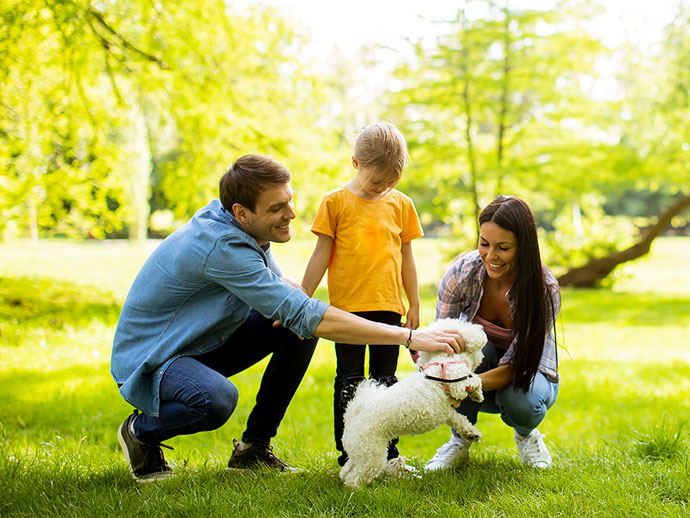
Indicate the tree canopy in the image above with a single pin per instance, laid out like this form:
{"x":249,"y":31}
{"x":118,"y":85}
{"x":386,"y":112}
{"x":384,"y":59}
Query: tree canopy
{"x":118,"y":118}
{"x":112,"y":110}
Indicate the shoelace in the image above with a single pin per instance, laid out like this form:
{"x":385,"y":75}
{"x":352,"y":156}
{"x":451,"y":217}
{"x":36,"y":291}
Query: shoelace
{"x":272,"y":456}
{"x":448,"y":448}
{"x":534,"y":447}
{"x":153,"y":457}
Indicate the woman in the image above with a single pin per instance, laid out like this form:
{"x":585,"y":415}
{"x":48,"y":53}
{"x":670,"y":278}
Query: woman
{"x":504,"y":287}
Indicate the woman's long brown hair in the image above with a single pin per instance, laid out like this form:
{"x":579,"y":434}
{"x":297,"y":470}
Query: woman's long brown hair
{"x":528,"y":291}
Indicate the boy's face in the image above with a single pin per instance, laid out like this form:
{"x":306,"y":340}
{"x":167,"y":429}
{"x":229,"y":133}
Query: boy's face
{"x":272,"y":215}
{"x":373,"y":184}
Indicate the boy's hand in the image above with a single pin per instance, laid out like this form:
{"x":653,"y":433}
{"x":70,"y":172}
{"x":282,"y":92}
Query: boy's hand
{"x":412,"y":321}
{"x":294,"y":283}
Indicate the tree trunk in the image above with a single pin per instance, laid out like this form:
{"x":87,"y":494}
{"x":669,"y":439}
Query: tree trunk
{"x":468,"y":126}
{"x":33,"y":220}
{"x":597,"y":269}
{"x":139,"y":175}
{"x":470,"y":153}
{"x":503,"y":105}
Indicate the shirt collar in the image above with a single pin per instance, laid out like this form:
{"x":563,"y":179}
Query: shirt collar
{"x":230,"y":218}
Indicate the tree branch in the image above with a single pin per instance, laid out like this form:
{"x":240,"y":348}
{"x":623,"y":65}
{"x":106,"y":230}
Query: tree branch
{"x":123,"y":41}
{"x":597,"y":269}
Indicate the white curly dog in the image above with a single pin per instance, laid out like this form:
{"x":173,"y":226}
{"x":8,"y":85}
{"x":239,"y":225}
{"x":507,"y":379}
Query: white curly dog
{"x":421,"y":402}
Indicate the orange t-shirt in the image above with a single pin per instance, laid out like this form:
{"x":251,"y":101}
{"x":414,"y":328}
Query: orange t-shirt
{"x":365,"y":269}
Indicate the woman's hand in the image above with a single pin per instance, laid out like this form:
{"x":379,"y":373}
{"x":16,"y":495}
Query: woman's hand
{"x":427,"y":339}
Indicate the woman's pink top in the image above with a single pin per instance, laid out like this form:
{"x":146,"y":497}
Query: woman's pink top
{"x":499,"y":336}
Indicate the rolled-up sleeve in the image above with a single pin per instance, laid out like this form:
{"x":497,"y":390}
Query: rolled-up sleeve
{"x":242,"y":269}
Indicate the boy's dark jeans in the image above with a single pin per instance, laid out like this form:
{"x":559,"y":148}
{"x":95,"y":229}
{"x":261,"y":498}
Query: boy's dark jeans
{"x":383,"y":361}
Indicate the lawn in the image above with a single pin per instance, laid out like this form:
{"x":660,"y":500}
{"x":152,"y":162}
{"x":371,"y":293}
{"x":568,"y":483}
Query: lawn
{"x":619,"y":431}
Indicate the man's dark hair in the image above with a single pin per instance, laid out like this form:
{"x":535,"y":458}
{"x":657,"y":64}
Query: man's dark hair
{"x":247,"y":178}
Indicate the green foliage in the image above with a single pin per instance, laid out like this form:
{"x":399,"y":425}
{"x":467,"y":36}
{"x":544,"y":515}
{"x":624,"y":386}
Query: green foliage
{"x":58,"y":138}
{"x":499,"y":105}
{"x":112,"y":114}
{"x":597,"y":235}
{"x":512,"y":102}
{"x":108,"y":108}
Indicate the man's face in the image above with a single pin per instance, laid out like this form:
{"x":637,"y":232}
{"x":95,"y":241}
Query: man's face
{"x":271,"y":218}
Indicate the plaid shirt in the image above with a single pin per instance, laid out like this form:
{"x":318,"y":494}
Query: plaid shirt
{"x":460,"y":294}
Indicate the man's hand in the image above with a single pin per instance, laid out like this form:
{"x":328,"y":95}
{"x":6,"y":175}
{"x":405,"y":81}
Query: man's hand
{"x":426,"y":339}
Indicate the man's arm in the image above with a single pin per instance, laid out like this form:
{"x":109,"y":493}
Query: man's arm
{"x":410,"y":285}
{"x":317,"y":264}
{"x":341,"y":326}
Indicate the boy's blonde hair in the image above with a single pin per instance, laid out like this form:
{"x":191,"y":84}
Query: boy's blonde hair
{"x":382,"y":147}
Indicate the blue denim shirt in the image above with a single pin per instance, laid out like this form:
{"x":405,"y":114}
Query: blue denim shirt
{"x":192,"y":293}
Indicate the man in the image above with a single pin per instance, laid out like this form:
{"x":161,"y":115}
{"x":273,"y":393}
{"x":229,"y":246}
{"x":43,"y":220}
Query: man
{"x":203,"y":308}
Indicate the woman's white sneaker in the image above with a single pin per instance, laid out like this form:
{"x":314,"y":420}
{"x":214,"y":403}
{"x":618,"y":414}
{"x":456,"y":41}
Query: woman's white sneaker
{"x":451,"y":455}
{"x":532,"y":449}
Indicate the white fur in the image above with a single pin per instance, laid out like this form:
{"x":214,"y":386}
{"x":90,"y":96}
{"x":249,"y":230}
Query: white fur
{"x":412,"y":406}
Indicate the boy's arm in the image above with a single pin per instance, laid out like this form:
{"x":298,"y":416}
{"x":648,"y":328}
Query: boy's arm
{"x":317,"y":264}
{"x":410,"y":285}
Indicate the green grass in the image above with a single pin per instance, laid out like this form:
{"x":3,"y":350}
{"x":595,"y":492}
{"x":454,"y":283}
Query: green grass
{"x":619,"y":431}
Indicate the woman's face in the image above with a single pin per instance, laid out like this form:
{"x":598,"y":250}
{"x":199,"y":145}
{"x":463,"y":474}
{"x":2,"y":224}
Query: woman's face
{"x":498,"y":249}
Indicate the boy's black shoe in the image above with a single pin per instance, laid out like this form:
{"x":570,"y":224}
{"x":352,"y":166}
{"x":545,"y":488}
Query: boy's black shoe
{"x":146,"y":461}
{"x":256,"y":455}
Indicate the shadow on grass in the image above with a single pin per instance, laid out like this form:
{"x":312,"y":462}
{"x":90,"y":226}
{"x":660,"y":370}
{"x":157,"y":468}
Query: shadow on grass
{"x":489,"y":487}
{"x":84,"y":400}
{"x":63,"y":486}
{"x":79,"y":400}
{"x":53,"y":304}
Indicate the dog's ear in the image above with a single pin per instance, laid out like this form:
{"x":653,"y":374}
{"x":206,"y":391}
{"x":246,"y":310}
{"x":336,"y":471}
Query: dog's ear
{"x":475,"y":337}
{"x":422,"y":358}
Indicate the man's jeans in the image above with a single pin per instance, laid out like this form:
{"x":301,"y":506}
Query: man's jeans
{"x":520,"y":410}
{"x":197,"y":396}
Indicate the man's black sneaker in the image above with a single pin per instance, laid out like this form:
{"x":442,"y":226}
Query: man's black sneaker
{"x":146,"y":461}
{"x":256,"y":455}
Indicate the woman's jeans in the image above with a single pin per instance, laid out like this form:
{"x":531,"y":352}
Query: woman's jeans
{"x":197,"y":396}
{"x":520,"y":410}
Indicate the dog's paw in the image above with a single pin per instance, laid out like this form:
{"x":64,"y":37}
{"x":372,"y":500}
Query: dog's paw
{"x":477,"y":395}
{"x":472,"y":436}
